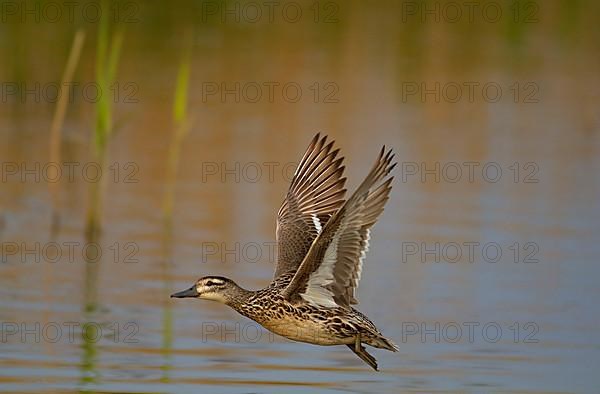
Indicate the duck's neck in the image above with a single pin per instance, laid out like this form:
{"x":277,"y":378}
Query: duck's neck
{"x":238,"y":297}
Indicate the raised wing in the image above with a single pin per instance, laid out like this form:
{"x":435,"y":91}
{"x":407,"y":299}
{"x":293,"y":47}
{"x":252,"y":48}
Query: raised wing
{"x":316,"y":192}
{"x":329,"y":274}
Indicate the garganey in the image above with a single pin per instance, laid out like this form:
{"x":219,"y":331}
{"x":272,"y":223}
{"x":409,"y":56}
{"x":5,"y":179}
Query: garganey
{"x":322,"y":240}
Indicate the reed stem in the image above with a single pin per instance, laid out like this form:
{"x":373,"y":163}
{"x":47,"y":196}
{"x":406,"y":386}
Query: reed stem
{"x":58,"y":121}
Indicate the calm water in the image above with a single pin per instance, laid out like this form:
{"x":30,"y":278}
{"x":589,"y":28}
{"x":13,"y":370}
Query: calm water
{"x":483,"y":268}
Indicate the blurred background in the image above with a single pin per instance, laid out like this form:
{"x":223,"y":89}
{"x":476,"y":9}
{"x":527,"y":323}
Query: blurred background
{"x":146,"y":144}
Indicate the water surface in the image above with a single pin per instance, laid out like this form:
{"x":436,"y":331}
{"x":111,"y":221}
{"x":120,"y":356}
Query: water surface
{"x":533,"y":313}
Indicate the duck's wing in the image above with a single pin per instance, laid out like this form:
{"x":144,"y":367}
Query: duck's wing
{"x":329,"y":274}
{"x":315,"y":194}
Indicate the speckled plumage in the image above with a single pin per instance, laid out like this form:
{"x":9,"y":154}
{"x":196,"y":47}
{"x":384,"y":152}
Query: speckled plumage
{"x":304,"y":322}
{"x":322,"y":244}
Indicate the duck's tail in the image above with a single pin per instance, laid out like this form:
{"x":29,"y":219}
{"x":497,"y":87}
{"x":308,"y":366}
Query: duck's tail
{"x":378,"y":341}
{"x":382,"y":342}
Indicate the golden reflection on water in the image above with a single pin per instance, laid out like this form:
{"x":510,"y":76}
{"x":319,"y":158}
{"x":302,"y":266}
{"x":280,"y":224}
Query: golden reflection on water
{"x":369,"y":58}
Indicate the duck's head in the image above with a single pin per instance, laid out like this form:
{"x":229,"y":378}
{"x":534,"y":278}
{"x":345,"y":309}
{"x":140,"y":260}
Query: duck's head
{"x":214,"y":288}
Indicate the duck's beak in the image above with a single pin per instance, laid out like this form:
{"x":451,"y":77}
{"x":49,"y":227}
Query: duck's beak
{"x":191,"y":292}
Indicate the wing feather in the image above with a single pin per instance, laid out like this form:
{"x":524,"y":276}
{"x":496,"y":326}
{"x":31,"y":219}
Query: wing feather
{"x":315,"y":193}
{"x":330,"y":272}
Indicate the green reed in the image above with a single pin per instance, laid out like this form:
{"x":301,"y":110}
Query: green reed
{"x":181,"y":125}
{"x":108,"y":51}
{"x":58,"y":120}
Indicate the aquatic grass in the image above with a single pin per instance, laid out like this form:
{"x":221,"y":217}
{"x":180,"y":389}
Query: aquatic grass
{"x":181,"y":125}
{"x":55,"y":144}
{"x":107,"y":59}
{"x":58,"y":120}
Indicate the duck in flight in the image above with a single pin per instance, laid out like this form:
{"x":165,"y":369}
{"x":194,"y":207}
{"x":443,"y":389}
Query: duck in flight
{"x":322,"y":240}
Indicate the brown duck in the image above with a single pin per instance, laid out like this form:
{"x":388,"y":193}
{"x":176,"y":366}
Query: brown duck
{"x":322,"y":240}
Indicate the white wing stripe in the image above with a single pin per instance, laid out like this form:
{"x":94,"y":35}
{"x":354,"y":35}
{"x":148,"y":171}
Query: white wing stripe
{"x":363,"y":253}
{"x":317,"y":223}
{"x":316,"y":293}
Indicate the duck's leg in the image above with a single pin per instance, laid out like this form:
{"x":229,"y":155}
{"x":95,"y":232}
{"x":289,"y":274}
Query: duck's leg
{"x":361,"y":352}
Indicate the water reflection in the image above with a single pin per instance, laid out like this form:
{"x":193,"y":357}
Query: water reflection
{"x":167,"y":313}
{"x":89,"y":374}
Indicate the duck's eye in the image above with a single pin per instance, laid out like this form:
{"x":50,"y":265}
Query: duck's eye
{"x":210,"y":283}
